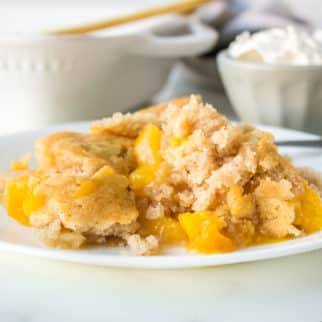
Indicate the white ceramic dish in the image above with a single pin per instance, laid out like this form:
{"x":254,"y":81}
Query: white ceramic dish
{"x":50,"y":79}
{"x":279,"y":95}
{"x":16,"y":238}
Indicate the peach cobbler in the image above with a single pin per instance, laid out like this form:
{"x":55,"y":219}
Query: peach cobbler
{"x":175,"y":174}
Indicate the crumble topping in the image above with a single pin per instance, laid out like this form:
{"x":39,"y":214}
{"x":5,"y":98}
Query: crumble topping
{"x":175,"y":173}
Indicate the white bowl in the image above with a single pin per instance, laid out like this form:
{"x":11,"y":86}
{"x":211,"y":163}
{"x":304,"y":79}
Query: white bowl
{"x":279,"y":95}
{"x":49,"y":79}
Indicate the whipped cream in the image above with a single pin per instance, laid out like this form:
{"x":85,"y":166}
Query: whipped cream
{"x":288,"y":45}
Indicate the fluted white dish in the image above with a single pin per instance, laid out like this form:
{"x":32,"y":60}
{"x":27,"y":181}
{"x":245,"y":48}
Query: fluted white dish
{"x":280,"y":95}
{"x":18,"y":239}
{"x":47,"y":79}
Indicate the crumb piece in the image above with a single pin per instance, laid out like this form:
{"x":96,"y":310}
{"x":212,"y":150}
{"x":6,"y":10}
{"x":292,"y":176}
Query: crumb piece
{"x":143,"y":246}
{"x":160,"y":108}
{"x":56,"y":236}
{"x":276,"y":208}
{"x":41,"y":219}
{"x":240,"y":205}
{"x":228,"y":139}
{"x":20,"y":165}
{"x":238,"y":170}
{"x":155,"y":211}
{"x":180,"y":122}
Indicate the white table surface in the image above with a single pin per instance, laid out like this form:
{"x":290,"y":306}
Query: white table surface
{"x":285,"y":289}
{"x":37,"y":290}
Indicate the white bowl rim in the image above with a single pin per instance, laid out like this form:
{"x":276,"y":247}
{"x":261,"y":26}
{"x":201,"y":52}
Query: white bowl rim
{"x":22,"y":37}
{"x":223,"y":55}
{"x":119,"y":31}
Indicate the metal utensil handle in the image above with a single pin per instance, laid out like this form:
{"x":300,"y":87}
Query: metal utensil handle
{"x":301,"y":143}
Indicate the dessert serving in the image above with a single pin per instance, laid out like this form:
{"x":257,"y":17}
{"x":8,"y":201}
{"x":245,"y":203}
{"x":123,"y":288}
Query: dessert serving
{"x":176,"y":174}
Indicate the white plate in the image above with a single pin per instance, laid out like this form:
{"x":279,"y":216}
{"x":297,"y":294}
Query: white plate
{"x":16,"y":238}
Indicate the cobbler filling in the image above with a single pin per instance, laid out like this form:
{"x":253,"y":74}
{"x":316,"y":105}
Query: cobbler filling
{"x":175,"y":174}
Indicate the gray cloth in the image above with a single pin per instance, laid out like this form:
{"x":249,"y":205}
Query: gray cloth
{"x":231,"y":17}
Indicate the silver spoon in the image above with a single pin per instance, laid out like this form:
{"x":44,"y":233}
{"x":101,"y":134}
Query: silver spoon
{"x":301,"y":143}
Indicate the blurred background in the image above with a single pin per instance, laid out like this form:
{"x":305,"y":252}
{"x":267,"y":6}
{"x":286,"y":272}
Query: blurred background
{"x":53,"y":79}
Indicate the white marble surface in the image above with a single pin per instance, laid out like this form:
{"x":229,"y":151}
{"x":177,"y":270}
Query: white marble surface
{"x":288,"y":289}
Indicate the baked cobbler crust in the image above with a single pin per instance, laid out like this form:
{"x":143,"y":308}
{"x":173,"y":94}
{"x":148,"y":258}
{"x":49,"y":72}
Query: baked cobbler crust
{"x":177,"y":173}
{"x":84,"y":153}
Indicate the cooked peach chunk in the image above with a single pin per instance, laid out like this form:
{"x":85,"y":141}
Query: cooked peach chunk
{"x":204,"y":232}
{"x":146,"y":149}
{"x":32,"y":202}
{"x":91,"y":185}
{"x":142,"y":176}
{"x":175,"y":142}
{"x":309,"y":217}
{"x":147,"y":145}
{"x":14,"y":197}
{"x":86,"y":188}
{"x":167,"y":229}
{"x":21,"y":200}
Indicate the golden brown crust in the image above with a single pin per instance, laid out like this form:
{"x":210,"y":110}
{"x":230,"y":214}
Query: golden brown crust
{"x":124,"y":125}
{"x":130,"y":125}
{"x":107,"y":209}
{"x":160,"y":108}
{"x":212,"y":156}
{"x":84,"y":153}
